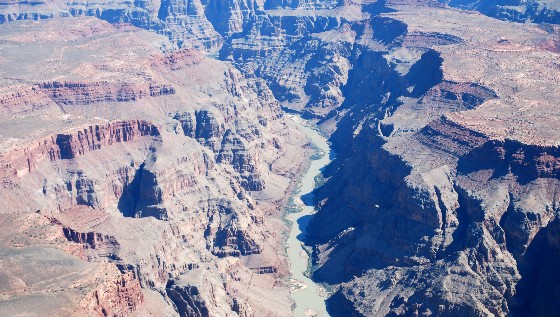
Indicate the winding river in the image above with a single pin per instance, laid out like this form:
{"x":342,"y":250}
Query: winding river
{"x":305,"y":292}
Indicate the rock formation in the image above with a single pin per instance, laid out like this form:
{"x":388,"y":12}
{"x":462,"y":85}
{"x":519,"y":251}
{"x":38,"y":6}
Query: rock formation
{"x":175,"y":212}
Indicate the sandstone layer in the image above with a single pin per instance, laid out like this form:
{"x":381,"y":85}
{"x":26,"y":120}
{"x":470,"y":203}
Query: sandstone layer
{"x":137,"y":181}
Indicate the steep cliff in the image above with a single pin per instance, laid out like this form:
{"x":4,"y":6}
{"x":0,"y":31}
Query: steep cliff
{"x":154,"y":178}
{"x":515,"y":10}
{"x":183,"y":22}
{"x":427,"y":208}
{"x":175,"y":213}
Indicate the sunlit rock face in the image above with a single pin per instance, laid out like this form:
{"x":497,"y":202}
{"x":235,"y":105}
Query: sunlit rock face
{"x":153,"y":172}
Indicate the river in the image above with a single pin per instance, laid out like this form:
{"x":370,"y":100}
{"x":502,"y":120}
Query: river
{"x":305,"y":292}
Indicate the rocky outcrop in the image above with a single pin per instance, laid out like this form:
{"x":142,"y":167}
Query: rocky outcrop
{"x":92,"y":239}
{"x":204,"y":126}
{"x":187,"y":300}
{"x":230,"y":17}
{"x":434,"y":194}
{"x":322,"y":63}
{"x":208,"y":128}
{"x":446,"y":135}
{"x":234,"y":242}
{"x":115,"y":298}
{"x":94,"y":244}
{"x":95,"y":137}
{"x":75,"y":144}
{"x":234,"y":152}
{"x":527,"y":162}
{"x":23,"y":100}
{"x":429,"y":39}
{"x":419,"y":203}
{"x":457,"y":96}
{"x":68,"y":93}
{"x":189,"y":194}
{"x":187,"y":24}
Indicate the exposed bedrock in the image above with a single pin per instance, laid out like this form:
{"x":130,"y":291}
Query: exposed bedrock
{"x":434,"y":206}
{"x":142,"y":196}
{"x":232,"y":16}
{"x":372,"y":190}
{"x":116,"y":298}
{"x":311,"y":69}
{"x":93,"y":240}
{"x":234,"y":242}
{"x":192,"y":194}
{"x":80,"y":93}
{"x":410,"y":238}
{"x":205,"y":126}
{"x":65,"y":146}
{"x":187,"y":299}
{"x":512,"y":10}
{"x":537,"y":290}
{"x":183,"y":22}
{"x":527,"y":162}
{"x":403,"y":230}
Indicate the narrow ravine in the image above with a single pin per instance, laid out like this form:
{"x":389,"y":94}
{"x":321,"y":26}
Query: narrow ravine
{"x":305,"y":292}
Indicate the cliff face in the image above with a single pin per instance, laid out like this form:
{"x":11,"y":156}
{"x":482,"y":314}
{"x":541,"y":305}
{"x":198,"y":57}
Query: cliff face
{"x":434,"y":188}
{"x":183,"y":22}
{"x":518,"y":11}
{"x":83,"y":93}
{"x":71,"y":145}
{"x":425,"y":199}
{"x":442,"y":199}
{"x":175,"y":213}
{"x":192,"y":23}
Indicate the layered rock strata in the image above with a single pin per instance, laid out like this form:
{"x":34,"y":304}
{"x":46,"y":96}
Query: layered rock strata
{"x":443,"y":194}
{"x":176,"y":213}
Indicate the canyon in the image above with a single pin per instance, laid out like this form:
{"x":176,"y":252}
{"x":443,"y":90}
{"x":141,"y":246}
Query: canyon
{"x":150,"y":164}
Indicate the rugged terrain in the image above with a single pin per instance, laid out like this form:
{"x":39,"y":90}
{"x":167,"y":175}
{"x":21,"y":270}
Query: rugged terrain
{"x":109,"y":213}
{"x":152,"y":178}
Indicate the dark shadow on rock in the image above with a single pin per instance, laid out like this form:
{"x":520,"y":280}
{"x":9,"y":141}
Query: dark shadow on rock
{"x":425,"y":73}
{"x":526,"y":162}
{"x":538,"y":291}
{"x":131,"y":194}
{"x":339,"y":305}
{"x":303,"y":222}
{"x":308,"y":199}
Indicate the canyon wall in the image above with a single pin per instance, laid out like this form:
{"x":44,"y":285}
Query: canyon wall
{"x":431,"y":202}
{"x":176,"y":213}
{"x":517,"y":11}
{"x":155,"y":177}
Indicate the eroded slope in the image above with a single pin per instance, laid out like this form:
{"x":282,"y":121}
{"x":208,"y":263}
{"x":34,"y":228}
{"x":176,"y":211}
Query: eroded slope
{"x":155,"y":179}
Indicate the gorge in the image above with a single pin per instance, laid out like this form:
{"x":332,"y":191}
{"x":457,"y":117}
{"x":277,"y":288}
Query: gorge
{"x":151,"y":154}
